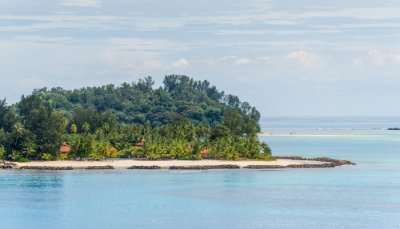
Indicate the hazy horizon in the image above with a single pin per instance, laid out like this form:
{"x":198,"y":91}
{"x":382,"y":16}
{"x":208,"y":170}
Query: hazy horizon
{"x":288,"y":58}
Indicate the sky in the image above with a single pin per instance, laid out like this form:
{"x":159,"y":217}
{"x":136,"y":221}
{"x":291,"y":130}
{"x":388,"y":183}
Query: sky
{"x":286,"y":57}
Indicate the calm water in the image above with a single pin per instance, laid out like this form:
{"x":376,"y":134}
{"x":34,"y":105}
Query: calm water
{"x":363,"y":196}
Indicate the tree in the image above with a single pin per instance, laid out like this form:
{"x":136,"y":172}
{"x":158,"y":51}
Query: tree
{"x":8,"y":117}
{"x":178,"y":120}
{"x":20,"y":144}
{"x":83,"y":118}
{"x":46,"y":125}
{"x":2,"y":153}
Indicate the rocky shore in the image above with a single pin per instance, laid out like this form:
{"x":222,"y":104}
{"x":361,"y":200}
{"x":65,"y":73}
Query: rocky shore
{"x":278,"y":163}
{"x":7,"y":165}
{"x":328,"y":163}
{"x":204,"y":167}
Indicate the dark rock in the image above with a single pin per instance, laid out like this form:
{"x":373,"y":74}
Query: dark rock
{"x":144,"y":167}
{"x":394,"y":128}
{"x":46,"y":168}
{"x":311,"y":166}
{"x":204,"y":167}
{"x":291,"y":157}
{"x":333,"y":161}
{"x":99,"y":167}
{"x":329,"y":162}
{"x":7,"y":165}
{"x":264,"y":167}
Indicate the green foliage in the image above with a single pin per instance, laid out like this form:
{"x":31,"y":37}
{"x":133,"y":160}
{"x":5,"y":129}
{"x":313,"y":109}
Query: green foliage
{"x":46,"y":157}
{"x":137,"y":103}
{"x":74,"y":128}
{"x":20,"y":144}
{"x":18,"y":156}
{"x":104,"y":149}
{"x":86,"y":146}
{"x":8,"y":117}
{"x":175,"y":121}
{"x":2,"y":152}
{"x":45,"y":125}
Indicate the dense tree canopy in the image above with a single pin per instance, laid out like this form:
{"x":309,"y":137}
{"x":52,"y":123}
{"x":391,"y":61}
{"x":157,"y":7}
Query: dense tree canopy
{"x":183,"y":119}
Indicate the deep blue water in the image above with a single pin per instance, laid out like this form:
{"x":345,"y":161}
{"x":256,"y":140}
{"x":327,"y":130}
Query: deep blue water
{"x":362,"y":196}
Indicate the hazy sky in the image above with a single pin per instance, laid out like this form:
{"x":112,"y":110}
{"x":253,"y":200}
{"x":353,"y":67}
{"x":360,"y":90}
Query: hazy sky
{"x":287,"y":57}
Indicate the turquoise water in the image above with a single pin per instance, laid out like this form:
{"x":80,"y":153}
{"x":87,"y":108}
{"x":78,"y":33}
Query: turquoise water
{"x":362,"y":196}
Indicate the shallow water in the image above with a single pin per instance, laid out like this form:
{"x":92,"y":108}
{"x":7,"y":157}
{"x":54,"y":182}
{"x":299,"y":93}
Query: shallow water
{"x":362,"y":196}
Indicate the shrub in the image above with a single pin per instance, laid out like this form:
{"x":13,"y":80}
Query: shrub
{"x":18,"y":156}
{"x":2,"y":152}
{"x":63,"y":156}
{"x":111,"y":152}
{"x":46,"y":157}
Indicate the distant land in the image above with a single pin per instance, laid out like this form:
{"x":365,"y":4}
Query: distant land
{"x":184,"y":119}
{"x":184,"y":124}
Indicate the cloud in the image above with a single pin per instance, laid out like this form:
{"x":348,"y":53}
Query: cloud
{"x":36,"y":24}
{"x":378,"y":57}
{"x":237,"y":60}
{"x":303,"y":57}
{"x":181,"y":63}
{"x":44,"y":39}
{"x":147,"y":45}
{"x":242,"y":61}
{"x":136,"y":56}
{"x":375,"y":13}
{"x":81,"y":3}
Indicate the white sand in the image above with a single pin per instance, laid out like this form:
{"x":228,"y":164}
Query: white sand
{"x":122,"y":164}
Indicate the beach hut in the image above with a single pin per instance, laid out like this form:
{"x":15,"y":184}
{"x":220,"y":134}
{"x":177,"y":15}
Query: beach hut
{"x":65,"y":148}
{"x":204,"y":152}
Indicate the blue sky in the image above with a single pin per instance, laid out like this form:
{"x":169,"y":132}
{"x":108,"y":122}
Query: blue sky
{"x":287,"y":57}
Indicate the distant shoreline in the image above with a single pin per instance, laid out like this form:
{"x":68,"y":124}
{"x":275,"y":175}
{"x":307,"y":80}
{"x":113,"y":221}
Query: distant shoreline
{"x":269,"y":134}
{"x":279,"y":163}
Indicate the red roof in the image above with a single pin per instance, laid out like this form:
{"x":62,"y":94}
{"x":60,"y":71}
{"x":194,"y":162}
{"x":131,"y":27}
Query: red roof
{"x":65,"y":148}
{"x":204,"y":152}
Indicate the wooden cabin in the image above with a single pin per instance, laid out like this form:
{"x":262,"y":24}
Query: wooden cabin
{"x":65,"y":148}
{"x":204,"y":152}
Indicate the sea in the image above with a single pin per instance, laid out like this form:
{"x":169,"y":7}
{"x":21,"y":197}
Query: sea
{"x":366,"y":195}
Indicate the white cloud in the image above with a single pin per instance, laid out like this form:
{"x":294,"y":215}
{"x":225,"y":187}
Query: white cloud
{"x":237,"y":60}
{"x":242,"y":61}
{"x":144,"y":56}
{"x":378,"y":57}
{"x":264,"y":59}
{"x":136,"y":56}
{"x":181,"y":63}
{"x":81,"y":3}
{"x":380,"y":13}
{"x":147,"y":45}
{"x":38,"y":23}
{"x":303,"y":57}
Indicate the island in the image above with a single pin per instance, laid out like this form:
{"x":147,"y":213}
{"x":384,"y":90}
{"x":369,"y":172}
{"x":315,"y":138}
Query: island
{"x":183,"y":124}
{"x":393,"y":128}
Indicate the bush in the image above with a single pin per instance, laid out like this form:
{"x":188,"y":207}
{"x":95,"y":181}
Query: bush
{"x":111,"y":152}
{"x":2,"y":152}
{"x":63,"y":156}
{"x":95,"y":156}
{"x":18,"y":156}
{"x":46,"y":157}
{"x":103,"y":149}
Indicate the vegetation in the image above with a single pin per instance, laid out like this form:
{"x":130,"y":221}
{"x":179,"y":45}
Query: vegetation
{"x":183,"y":119}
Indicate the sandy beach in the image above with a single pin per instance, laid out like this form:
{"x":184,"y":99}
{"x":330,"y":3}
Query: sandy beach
{"x":175,"y":164}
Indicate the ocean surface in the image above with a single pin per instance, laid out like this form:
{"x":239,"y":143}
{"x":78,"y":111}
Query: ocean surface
{"x":363,"y":196}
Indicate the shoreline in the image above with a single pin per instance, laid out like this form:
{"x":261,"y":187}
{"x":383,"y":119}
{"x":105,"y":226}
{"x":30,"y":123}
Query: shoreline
{"x":279,"y":163}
